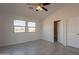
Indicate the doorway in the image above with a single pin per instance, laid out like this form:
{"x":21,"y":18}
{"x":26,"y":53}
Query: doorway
{"x":56,"y":30}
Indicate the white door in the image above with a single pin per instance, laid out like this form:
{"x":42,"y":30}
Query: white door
{"x":60,"y":32}
{"x":73,"y":32}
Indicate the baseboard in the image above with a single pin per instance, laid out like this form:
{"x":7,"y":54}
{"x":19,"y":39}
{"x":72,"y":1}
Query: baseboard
{"x":48,"y":41}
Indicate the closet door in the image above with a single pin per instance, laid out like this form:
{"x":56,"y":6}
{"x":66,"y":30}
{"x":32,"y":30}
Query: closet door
{"x":73,"y":32}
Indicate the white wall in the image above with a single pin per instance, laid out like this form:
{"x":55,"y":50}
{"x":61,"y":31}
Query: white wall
{"x":8,"y":37}
{"x":47,"y":30}
{"x":67,"y":12}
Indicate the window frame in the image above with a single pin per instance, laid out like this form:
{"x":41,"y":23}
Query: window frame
{"x":19,"y":32}
{"x":26,"y":26}
{"x":31,"y":26}
{"x":19,"y":26}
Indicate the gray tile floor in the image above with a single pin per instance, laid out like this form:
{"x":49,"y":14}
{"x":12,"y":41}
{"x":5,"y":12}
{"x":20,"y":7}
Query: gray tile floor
{"x":38,"y":47}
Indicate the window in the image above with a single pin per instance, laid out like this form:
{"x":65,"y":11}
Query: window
{"x":19,"y":26}
{"x":31,"y":26}
{"x":22,"y":26}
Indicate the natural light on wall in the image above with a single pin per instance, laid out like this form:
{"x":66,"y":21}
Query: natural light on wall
{"x":24,"y":26}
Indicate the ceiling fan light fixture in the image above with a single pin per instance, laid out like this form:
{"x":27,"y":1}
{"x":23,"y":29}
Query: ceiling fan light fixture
{"x":39,"y":8}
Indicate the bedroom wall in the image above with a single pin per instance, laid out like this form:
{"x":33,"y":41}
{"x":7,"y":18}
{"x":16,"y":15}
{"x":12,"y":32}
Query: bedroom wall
{"x":69,"y":11}
{"x":8,"y":37}
{"x":47,"y":30}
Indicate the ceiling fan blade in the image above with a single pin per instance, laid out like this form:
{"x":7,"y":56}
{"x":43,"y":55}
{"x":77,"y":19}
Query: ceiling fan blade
{"x":46,"y":3}
{"x":44,"y":9}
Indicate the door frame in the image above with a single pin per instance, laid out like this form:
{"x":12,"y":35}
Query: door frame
{"x":64,"y":31}
{"x":56,"y":29}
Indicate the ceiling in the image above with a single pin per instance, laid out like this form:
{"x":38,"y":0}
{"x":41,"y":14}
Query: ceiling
{"x":21,"y":9}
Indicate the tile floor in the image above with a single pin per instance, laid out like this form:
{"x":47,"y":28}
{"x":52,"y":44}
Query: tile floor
{"x":38,"y":47}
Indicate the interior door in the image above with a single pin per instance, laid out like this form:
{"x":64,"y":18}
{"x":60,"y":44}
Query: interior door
{"x":73,"y":32}
{"x":60,"y":32}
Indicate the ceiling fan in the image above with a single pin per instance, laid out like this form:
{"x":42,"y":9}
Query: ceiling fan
{"x":38,"y":6}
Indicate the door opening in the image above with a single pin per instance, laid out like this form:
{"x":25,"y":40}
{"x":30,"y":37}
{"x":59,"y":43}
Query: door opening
{"x":56,"y":31}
